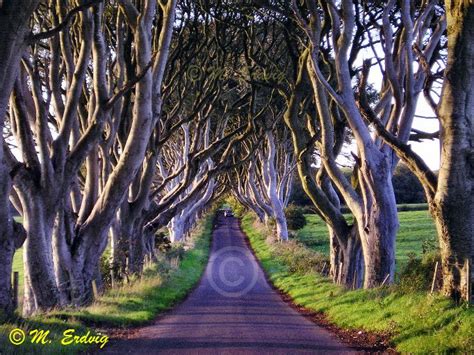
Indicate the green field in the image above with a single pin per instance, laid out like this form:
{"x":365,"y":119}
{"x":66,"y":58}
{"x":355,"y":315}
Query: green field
{"x":18,"y":266}
{"x":416,"y":231}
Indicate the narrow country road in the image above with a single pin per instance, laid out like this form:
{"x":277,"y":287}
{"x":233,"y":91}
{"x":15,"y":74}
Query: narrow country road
{"x":232,"y":311}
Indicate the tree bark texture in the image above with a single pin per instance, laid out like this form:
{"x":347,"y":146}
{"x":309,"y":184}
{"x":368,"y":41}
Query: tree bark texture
{"x":454,"y":199}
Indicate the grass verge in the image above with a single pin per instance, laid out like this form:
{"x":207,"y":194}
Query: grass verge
{"x":139,"y":302}
{"x":416,"y":322}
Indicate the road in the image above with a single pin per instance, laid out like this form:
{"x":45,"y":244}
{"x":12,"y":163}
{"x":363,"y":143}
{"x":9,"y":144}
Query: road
{"x":233,"y":310}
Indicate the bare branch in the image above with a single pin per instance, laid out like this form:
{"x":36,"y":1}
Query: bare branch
{"x":54,"y":31}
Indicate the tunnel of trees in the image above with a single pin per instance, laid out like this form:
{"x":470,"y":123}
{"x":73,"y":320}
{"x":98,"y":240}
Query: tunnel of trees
{"x":123,"y":117}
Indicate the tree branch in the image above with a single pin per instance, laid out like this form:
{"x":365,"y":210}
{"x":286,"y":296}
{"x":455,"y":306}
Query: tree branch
{"x":32,"y":38}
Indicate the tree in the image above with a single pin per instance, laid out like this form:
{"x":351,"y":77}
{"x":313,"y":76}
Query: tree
{"x":67,"y":230}
{"x":454,"y":198}
{"x":14,"y":27}
{"x":450,"y":194}
{"x":324,"y":50}
{"x":372,"y":201}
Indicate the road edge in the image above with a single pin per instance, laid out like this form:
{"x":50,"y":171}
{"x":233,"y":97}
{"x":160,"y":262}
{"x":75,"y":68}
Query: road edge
{"x":355,"y":339}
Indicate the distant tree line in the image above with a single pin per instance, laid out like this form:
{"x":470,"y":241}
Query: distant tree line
{"x":406,"y":186}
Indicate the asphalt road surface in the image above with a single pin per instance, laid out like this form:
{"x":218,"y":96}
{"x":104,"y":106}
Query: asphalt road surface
{"x":232,"y":311}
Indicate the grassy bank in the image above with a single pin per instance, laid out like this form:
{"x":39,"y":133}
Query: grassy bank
{"x":417,"y":322}
{"x":417,"y":231}
{"x":162,"y":286}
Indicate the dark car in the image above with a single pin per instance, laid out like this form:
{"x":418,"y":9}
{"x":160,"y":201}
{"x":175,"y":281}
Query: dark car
{"x":228,"y":213}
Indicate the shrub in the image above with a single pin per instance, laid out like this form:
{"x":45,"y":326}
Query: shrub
{"x":105,"y":266}
{"x":295,"y":217}
{"x":176,"y":251}
{"x":298,"y":258}
{"x":417,"y":274}
{"x":162,"y":242}
{"x":406,"y":186}
{"x":412,"y":207}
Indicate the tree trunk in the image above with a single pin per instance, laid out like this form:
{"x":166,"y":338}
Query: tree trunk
{"x":91,"y":237}
{"x":275,"y":202}
{"x":453,"y":203}
{"x":62,"y":237}
{"x":85,"y":263}
{"x":7,"y":239}
{"x":122,"y":240}
{"x":346,"y":259}
{"x":41,"y":291}
{"x":139,"y":248}
{"x":176,"y":229}
{"x":378,"y":224}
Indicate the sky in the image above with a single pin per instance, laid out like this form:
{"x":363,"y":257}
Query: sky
{"x":428,"y":149}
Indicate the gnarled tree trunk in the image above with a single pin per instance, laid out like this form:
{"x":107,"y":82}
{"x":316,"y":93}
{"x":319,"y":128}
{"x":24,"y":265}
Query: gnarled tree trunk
{"x":41,"y":291}
{"x":271,"y":186}
{"x":454,"y":199}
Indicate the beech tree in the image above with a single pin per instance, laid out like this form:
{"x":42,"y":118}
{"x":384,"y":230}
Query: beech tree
{"x":373,"y":203}
{"x":66,"y":133}
{"x":328,"y":46}
{"x":450,"y":193}
{"x":180,"y":108}
{"x":264,"y":184}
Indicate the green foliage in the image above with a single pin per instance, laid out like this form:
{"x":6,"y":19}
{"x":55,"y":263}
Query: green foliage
{"x":162,"y":242}
{"x":408,"y":189}
{"x":418,"y":322}
{"x":176,"y":251}
{"x":235,"y":205}
{"x":417,"y":274}
{"x":412,"y":207}
{"x":106,"y":269}
{"x":298,"y":258}
{"x":295,"y":217}
{"x":298,"y":195}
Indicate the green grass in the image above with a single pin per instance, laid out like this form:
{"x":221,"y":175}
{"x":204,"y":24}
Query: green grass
{"x":417,"y":322}
{"x":18,"y":266}
{"x":416,"y":230}
{"x":139,"y":302}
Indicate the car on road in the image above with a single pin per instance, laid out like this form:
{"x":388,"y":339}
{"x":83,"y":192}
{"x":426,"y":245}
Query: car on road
{"x":228,"y":213}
